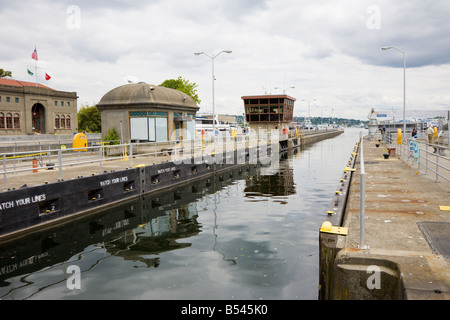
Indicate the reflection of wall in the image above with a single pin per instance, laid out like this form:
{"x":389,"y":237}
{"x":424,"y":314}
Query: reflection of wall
{"x":132,"y":230}
{"x":278,"y":183}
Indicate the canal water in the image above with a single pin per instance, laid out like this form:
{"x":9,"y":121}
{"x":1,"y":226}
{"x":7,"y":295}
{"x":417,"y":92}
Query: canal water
{"x":250,"y":233}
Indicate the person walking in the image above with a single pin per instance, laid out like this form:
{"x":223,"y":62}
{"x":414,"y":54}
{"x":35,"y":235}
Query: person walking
{"x":430,"y":134}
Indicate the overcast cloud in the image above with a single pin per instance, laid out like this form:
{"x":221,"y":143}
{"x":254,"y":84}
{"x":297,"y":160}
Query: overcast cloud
{"x":330,"y":51}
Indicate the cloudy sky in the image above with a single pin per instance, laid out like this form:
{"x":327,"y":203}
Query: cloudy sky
{"x":330,"y":51}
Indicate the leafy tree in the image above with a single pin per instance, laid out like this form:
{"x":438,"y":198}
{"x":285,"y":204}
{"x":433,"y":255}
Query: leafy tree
{"x":112,"y":136}
{"x":184,"y":86}
{"x":89,"y":119}
{"x":4,"y":73}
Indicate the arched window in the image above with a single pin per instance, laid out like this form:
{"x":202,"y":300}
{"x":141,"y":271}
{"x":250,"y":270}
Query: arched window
{"x":16,"y":121}
{"x":68,"y":122}
{"x":57,"y":121}
{"x":2,"y":120}
{"x":9,"y":122}
{"x":63,"y":122}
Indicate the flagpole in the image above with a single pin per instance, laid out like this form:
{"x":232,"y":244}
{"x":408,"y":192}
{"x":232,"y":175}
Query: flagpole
{"x":35,"y":67}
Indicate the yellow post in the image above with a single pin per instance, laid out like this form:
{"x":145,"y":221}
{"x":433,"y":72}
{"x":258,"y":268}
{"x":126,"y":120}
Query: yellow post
{"x":103,"y":149}
{"x":124,"y":154}
{"x":399,"y":136}
{"x":79,"y":142}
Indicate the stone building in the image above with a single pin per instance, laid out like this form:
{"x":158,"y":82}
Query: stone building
{"x":144,"y":112}
{"x":30,"y":108}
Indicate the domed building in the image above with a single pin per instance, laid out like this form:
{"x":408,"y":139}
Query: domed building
{"x":144,"y":112}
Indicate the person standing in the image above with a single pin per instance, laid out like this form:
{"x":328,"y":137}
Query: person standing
{"x":430,"y":133}
{"x":414,"y":132}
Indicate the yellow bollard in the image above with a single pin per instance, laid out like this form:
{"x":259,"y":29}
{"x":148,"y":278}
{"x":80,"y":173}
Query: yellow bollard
{"x":399,"y":136}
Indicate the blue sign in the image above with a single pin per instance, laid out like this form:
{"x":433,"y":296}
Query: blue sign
{"x":382,"y":115}
{"x":414,"y":151}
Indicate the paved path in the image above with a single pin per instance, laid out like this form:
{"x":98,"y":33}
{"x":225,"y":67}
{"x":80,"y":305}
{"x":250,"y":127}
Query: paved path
{"x":404,"y":224}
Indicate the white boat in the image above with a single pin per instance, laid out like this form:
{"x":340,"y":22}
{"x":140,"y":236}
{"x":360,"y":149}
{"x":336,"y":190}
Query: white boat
{"x":205,"y":125}
{"x":308,"y":125}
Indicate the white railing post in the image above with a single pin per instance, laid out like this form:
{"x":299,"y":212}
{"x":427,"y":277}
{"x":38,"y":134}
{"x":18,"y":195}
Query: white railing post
{"x":60,"y":163}
{"x":362,"y":205}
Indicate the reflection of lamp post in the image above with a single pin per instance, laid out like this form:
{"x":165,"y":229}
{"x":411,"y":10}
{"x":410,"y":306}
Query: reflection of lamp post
{"x":212,"y":62}
{"x":404,"y":84}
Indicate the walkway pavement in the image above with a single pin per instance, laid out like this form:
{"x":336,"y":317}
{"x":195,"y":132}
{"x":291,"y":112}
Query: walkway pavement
{"x":407,"y":226}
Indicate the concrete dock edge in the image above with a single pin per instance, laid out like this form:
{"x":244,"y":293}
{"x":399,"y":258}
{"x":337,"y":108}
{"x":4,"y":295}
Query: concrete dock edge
{"x":401,"y":262}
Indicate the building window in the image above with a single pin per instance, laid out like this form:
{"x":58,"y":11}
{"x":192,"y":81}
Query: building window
{"x":2,"y":120}
{"x":68,"y":103}
{"x":17,"y":100}
{"x":68,"y":122}
{"x":62,"y":103}
{"x":8,"y":99}
{"x":63,"y":122}
{"x":149,"y":126}
{"x":56,"y":103}
{"x":9,"y":122}
{"x":16,"y":121}
{"x":57,"y":121}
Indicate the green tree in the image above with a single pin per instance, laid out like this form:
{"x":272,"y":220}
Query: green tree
{"x":112,"y":136}
{"x":4,"y":73}
{"x":183,"y":85}
{"x":89,"y":119}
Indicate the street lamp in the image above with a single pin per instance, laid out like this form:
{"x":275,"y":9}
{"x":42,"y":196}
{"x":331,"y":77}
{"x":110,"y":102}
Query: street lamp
{"x":309,"y":107}
{"x":284,"y":90}
{"x":212,"y":63}
{"x":404,"y":84}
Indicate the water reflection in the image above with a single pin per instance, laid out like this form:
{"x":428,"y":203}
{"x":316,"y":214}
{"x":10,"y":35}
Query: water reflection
{"x":136,"y":231}
{"x":273,"y":181}
{"x":248,"y":233}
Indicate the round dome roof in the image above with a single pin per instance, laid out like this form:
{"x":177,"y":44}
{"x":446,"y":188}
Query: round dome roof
{"x":144,"y":94}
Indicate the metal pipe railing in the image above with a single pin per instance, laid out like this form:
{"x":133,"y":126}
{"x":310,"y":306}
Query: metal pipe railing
{"x":436,"y":161}
{"x":127,"y":151}
{"x":362,"y":205}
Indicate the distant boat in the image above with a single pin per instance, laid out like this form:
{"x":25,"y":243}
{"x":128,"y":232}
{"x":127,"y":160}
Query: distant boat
{"x":308,"y":124}
{"x":206,"y":124}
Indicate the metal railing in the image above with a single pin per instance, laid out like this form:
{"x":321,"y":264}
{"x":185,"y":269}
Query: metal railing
{"x":153,"y":152}
{"x":430,"y":157}
{"x":362,"y":205}
{"x":57,"y":156}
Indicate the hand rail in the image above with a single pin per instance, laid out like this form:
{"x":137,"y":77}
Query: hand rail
{"x":362,"y":205}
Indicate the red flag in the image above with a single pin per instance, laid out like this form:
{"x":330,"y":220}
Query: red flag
{"x":34,"y":55}
{"x":47,"y":77}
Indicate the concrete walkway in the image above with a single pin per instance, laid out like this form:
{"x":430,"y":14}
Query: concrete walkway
{"x":407,"y":232}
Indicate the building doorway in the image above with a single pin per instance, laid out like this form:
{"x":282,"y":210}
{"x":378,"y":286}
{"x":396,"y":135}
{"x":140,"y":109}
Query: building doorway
{"x":38,"y":118}
{"x":179,"y":130}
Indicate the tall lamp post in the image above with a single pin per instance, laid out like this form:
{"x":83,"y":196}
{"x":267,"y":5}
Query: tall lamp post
{"x":284,"y":90}
{"x":309,"y":107}
{"x":404,"y":84}
{"x":212,"y":62}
